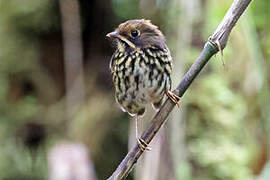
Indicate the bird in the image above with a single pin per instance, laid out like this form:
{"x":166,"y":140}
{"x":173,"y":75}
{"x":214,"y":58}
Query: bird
{"x":141,"y":68}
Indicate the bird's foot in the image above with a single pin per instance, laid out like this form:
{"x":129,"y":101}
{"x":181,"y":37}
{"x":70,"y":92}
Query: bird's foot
{"x":143,"y":145}
{"x":173,"y":97}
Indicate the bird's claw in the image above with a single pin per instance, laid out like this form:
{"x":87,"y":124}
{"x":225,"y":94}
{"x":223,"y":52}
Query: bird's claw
{"x":143,"y":145}
{"x":173,"y":97}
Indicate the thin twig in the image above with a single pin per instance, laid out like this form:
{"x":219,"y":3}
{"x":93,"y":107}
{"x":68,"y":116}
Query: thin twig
{"x":217,"y":40}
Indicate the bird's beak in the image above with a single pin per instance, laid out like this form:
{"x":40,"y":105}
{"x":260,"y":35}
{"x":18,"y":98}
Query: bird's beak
{"x":113,"y":34}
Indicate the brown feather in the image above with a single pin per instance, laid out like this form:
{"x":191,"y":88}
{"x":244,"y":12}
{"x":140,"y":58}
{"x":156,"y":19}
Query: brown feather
{"x":149,"y":33}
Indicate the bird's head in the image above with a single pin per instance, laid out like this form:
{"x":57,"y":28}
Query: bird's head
{"x":137,"y":33}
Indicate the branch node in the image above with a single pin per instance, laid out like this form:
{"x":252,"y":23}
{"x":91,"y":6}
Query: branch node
{"x":217,"y":46}
{"x":213,"y":44}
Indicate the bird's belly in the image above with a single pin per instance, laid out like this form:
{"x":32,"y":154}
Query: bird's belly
{"x":134,"y":89}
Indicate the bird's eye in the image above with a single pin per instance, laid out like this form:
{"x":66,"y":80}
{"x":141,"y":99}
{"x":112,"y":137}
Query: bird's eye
{"x":134,"y":33}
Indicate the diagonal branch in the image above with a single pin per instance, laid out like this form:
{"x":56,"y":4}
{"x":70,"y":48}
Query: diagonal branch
{"x":216,"y":43}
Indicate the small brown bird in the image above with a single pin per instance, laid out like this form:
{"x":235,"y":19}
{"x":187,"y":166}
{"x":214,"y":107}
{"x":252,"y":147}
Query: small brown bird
{"x":141,"y":68}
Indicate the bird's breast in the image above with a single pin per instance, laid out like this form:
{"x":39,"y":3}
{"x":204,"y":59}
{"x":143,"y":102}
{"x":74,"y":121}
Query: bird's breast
{"x":140,"y":77}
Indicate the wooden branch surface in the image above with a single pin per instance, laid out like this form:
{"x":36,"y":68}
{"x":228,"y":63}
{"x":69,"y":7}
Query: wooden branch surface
{"x":216,"y":43}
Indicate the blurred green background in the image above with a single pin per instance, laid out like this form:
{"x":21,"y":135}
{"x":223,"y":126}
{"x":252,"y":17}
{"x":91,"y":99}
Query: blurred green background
{"x":58,"y":116}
